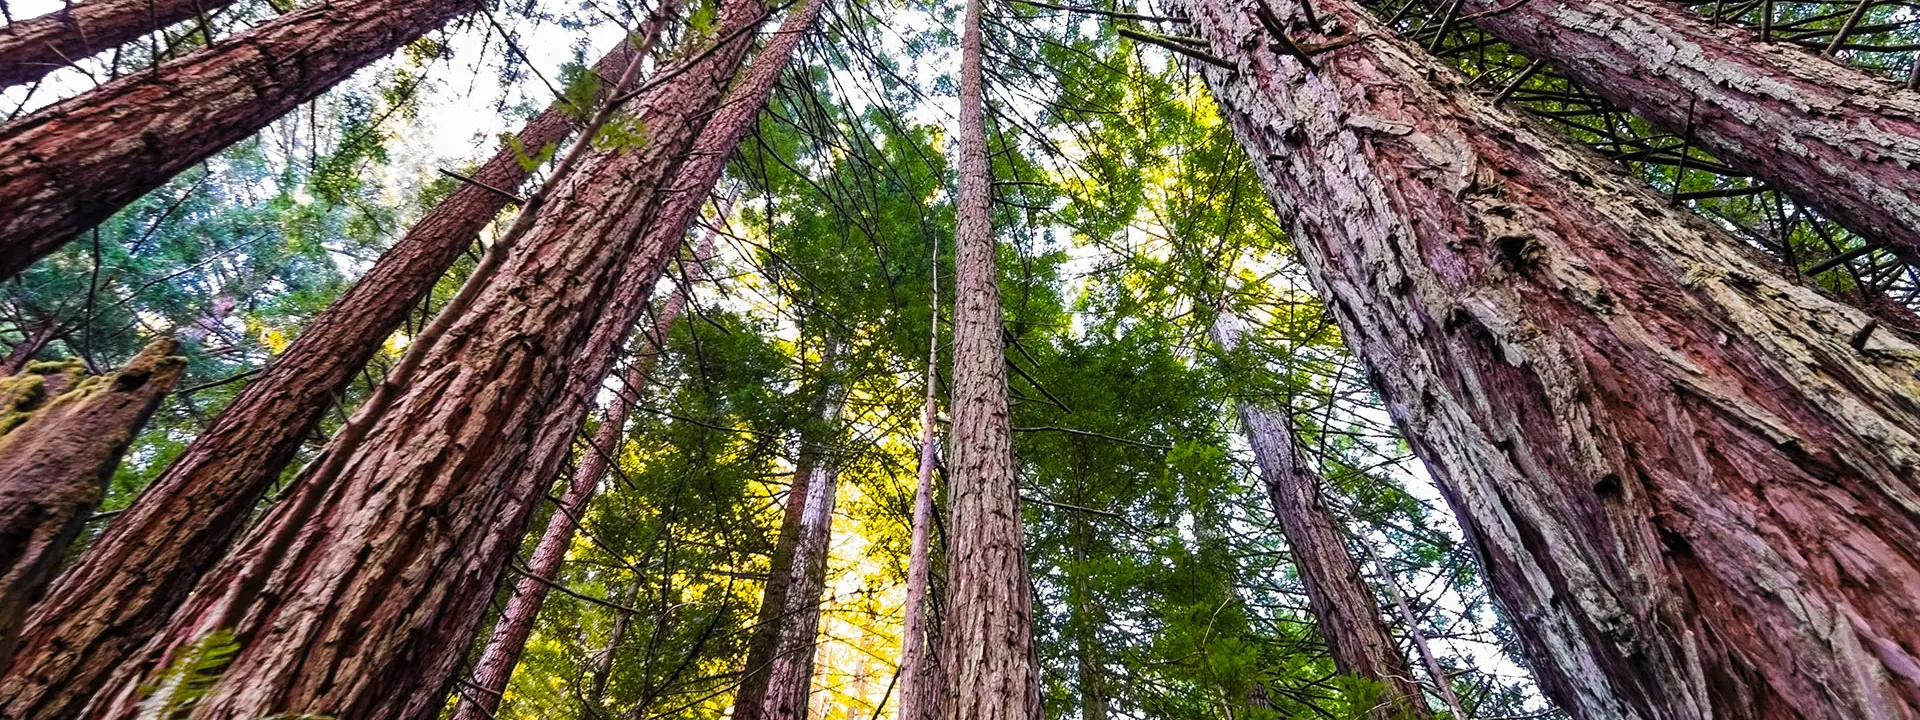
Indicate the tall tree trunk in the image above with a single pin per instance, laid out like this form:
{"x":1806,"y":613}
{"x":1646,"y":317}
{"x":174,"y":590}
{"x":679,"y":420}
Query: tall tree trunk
{"x":129,"y":581}
{"x":1088,"y":617}
{"x":1344,"y":608}
{"x":31,"y":48}
{"x":603,"y":664}
{"x":988,"y":652}
{"x":779,"y":663}
{"x":36,"y":337}
{"x":72,"y":164}
{"x":1690,"y":481}
{"x":353,"y":597}
{"x":63,"y":440}
{"x":921,"y":685}
{"x":1828,"y":135}
{"x":481,"y":696}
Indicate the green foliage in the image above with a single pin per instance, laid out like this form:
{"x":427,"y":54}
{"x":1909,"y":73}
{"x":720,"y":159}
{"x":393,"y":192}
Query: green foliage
{"x":190,"y":676}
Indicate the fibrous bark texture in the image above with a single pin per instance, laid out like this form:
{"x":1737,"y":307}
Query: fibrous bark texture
{"x":31,"y":48}
{"x":987,"y":652}
{"x":1826,"y":134}
{"x":366,"y":605}
{"x":127,"y":583}
{"x":1343,"y":607}
{"x":480,"y":698}
{"x":1692,"y":495}
{"x":72,"y":164}
{"x":63,"y":439}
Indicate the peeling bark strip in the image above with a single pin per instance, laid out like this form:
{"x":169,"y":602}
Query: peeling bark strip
{"x":70,"y":165}
{"x":987,"y":653}
{"x":182,"y":524}
{"x":63,"y":437}
{"x":1826,"y":134}
{"x":31,"y":48}
{"x":1344,"y":608}
{"x":369,"y":608}
{"x":482,"y":697}
{"x":1692,"y":497}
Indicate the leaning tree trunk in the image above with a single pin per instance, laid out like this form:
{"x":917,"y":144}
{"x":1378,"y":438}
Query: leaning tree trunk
{"x":779,"y":662}
{"x":70,"y":165}
{"x":182,"y":524}
{"x":31,"y":48}
{"x":1690,"y":481}
{"x":353,"y":596}
{"x":62,"y":440}
{"x":920,"y":681}
{"x":1344,"y":608}
{"x":988,"y":651}
{"x":1826,"y":134}
{"x":480,"y":697}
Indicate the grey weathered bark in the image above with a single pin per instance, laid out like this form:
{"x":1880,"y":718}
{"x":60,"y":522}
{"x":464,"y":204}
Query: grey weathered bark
{"x":31,"y":48}
{"x":183,"y":523}
{"x":480,"y":697}
{"x":63,"y":437}
{"x":1690,"y":490}
{"x":1826,"y":134}
{"x":988,"y":652}
{"x":433,"y":500}
{"x":1344,"y":609}
{"x":72,"y":164}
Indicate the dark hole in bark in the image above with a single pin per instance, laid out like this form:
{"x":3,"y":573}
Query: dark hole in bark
{"x":1674,"y":543}
{"x":1609,"y":487}
{"x":1515,"y":251}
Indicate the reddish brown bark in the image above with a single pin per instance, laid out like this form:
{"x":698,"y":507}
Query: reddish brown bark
{"x":183,"y":523}
{"x":365,"y":606}
{"x":70,"y":165}
{"x":920,"y":681}
{"x":481,"y":696}
{"x":1690,"y":492}
{"x":63,"y":439}
{"x":1344,"y":609}
{"x":988,"y":653}
{"x":31,"y":48}
{"x":36,"y":338}
{"x":1826,"y":134}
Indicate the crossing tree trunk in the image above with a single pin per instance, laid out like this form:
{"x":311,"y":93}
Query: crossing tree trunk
{"x":1690,"y":481}
{"x":31,"y":48}
{"x":72,"y":164}
{"x":1344,"y":608}
{"x":63,"y":437}
{"x":182,"y":524}
{"x":988,"y":652}
{"x":353,"y":597}
{"x":481,"y":697}
{"x":1826,"y":134}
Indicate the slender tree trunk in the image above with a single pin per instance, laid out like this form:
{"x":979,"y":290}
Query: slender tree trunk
{"x":1344,"y":609}
{"x":353,"y":597}
{"x":603,"y":664}
{"x":1088,"y":618}
{"x":921,"y":685}
{"x":183,"y":523}
{"x":31,"y":48}
{"x":1690,"y":481}
{"x":70,"y":165}
{"x":36,"y":338}
{"x":1828,"y":135}
{"x":988,"y":652}
{"x":63,"y":440}
{"x":481,"y":696}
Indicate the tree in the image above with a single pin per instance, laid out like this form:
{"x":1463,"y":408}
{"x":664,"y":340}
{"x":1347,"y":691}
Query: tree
{"x":1616,"y":399}
{"x":63,"y":436}
{"x":72,"y":164}
{"x":1343,"y":608}
{"x":31,"y":48}
{"x":988,"y":655}
{"x":1853,"y":136}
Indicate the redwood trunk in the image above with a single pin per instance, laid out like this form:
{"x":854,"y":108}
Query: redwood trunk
{"x":70,"y":165}
{"x":1826,"y":134}
{"x":36,"y":338}
{"x":988,"y":652}
{"x":920,"y":681}
{"x":182,"y":524}
{"x":482,"y":694}
{"x":63,"y":439}
{"x":365,"y":608}
{"x":31,"y":48}
{"x":1344,"y":608}
{"x":1691,"y":493}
